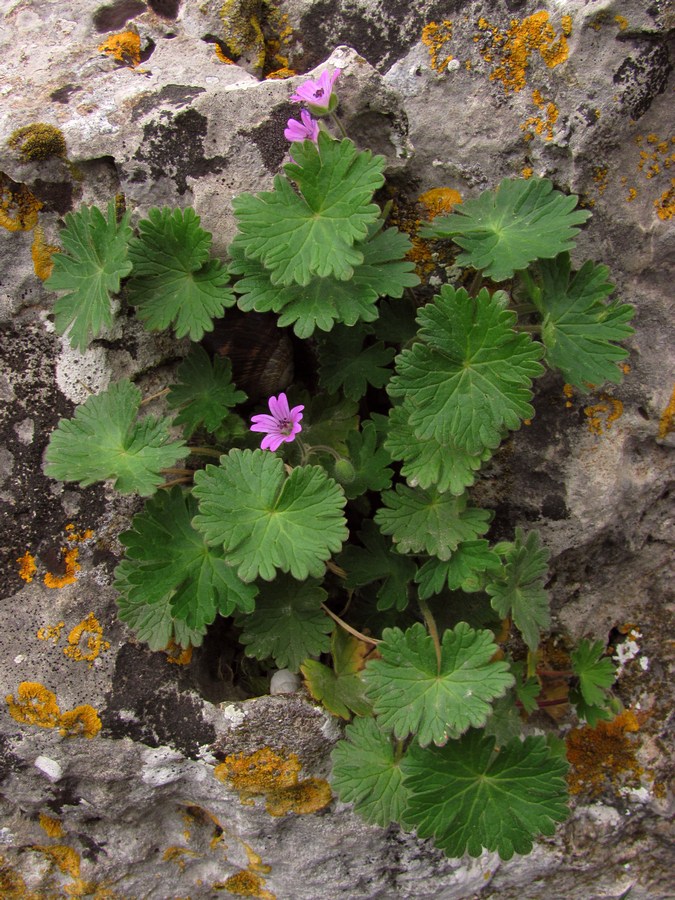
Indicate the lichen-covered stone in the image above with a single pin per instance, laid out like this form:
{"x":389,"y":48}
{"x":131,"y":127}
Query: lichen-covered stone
{"x":109,"y":752}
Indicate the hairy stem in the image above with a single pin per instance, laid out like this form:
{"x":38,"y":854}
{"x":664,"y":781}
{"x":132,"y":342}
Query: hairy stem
{"x":430,"y":622}
{"x":205,"y":451}
{"x":352,"y":631}
{"x":155,"y":396}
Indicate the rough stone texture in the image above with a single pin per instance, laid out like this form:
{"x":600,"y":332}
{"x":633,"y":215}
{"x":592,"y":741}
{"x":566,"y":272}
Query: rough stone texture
{"x":141,"y":811}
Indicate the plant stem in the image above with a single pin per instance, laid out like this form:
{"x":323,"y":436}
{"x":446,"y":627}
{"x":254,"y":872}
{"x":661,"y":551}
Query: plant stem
{"x":205,"y":451}
{"x":339,"y":124}
{"x":169,"y":484}
{"x":174,"y":471}
{"x":323,"y":448}
{"x":352,"y":631}
{"x":156,"y":396}
{"x":476,"y":283}
{"x":530,"y":329}
{"x":433,"y":630}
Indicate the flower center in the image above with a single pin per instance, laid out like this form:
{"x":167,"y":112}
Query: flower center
{"x":285,"y":426}
{"x":319,"y":92}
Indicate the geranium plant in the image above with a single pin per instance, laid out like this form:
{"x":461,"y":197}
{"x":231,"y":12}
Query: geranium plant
{"x":344,"y":541}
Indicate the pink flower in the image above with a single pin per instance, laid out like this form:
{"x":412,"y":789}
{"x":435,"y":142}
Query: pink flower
{"x":317,"y":93}
{"x":282,"y":425}
{"x":307,"y":130}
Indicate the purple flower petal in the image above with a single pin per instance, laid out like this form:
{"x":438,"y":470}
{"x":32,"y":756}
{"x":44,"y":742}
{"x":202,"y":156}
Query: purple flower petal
{"x":317,"y":92}
{"x":279,"y":427}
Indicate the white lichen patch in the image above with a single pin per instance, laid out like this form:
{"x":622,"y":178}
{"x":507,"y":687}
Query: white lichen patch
{"x":627,"y":651}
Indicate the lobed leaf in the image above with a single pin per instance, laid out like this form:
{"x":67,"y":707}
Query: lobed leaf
{"x":288,"y":623}
{"x":105,"y":440}
{"x":413,"y":694}
{"x":347,"y":366}
{"x":325,"y":301}
{"x":370,"y":462}
{"x":467,"y":797}
{"x":340,"y":689}
{"x":578,"y":327}
{"x":174,"y":283}
{"x":506,"y":229}
{"x":469,"y":377}
{"x":367,"y":773}
{"x":463,"y":571}
{"x":428,"y":522}
{"x":267,"y":521}
{"x":518,"y":590}
{"x":596,"y":672}
{"x":204,"y":392}
{"x":168,"y":562}
{"x":93,"y":261}
{"x":312,"y":232}
{"x":377,"y":561}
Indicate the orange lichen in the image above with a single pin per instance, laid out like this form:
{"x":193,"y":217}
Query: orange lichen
{"x":245,"y":884}
{"x":538,"y":124}
{"x":51,"y":826}
{"x":68,"y":862}
{"x":665,"y":205}
{"x":83,"y":721}
{"x":283,"y":72}
{"x":91,"y":629}
{"x":409,"y":217}
{"x":41,"y":253}
{"x":18,"y":206}
{"x":308,"y":796}
{"x":71,"y":566}
{"x":600,"y":174}
{"x":435,"y":36}
{"x":667,"y":420}
{"x":221,"y":55}
{"x":178,"y":854}
{"x":622,"y":22}
{"x":27,"y":567}
{"x":515,"y":47}
{"x":35,"y":705}
{"x":269,"y":774}
{"x":177,"y":656}
{"x":603,"y":758}
{"x":601,"y":416}
{"x":568,"y":391}
{"x":124,"y":47}
{"x":527,"y":172}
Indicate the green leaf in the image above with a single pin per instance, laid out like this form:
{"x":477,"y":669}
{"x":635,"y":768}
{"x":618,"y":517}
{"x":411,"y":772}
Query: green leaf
{"x":324,"y":301}
{"x":527,"y":689}
{"x":428,"y":522}
{"x":105,"y":440}
{"x":154,"y":623}
{"x":411,"y":694}
{"x":328,"y":420}
{"x":376,"y":561}
{"x":345,"y":364}
{"x":467,"y":797}
{"x":590,"y":714}
{"x":518,"y":590}
{"x":578,"y":327}
{"x":288,"y":623}
{"x":93,"y":261}
{"x":174,"y":282}
{"x":505,"y":723}
{"x":266,"y":520}
{"x":204,"y":393}
{"x":469,"y":376}
{"x":340,"y":689}
{"x":370,"y":462}
{"x":506,"y":229}
{"x":396,"y":323}
{"x":464,"y":570}
{"x":367,"y":773}
{"x":596,"y":672}
{"x":166,"y":558}
{"x":298,"y":235}
{"x":430,"y":463}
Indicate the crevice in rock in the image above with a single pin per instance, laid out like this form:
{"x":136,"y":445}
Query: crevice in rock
{"x":116,"y":15}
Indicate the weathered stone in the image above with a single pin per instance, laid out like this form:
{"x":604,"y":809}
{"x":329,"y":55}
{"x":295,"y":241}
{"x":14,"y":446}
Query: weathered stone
{"x":122,"y":751}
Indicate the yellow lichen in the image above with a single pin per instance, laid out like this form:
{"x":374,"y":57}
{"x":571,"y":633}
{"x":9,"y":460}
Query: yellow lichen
{"x":27,"y":567}
{"x":283,"y":72}
{"x":71,"y":566}
{"x":267,"y":773}
{"x":38,"y":142}
{"x":124,"y":47}
{"x":514,"y":47}
{"x":12,"y":885}
{"x":527,"y":172}
{"x":42,"y":253}
{"x":34,"y":705}
{"x":568,"y":391}
{"x":18,"y":206}
{"x":178,"y":854}
{"x":83,"y":721}
{"x":245,"y":884}
{"x":258,"y":30}
{"x":622,"y":22}
{"x":542,"y":126}
{"x":435,"y":36}
{"x":603,"y":758}
{"x":308,"y":796}
{"x":67,"y":861}
{"x":601,"y":416}
{"x":89,"y":628}
{"x":221,"y":55}
{"x":667,"y":420}
{"x":51,"y":826}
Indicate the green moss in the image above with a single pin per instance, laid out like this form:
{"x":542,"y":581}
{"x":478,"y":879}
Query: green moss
{"x":38,"y":142}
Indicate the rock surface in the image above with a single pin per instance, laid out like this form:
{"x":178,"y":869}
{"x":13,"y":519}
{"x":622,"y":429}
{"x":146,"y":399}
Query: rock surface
{"x":123,"y":777}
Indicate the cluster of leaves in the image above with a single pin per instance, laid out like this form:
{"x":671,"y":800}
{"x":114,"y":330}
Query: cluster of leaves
{"x":435,"y":743}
